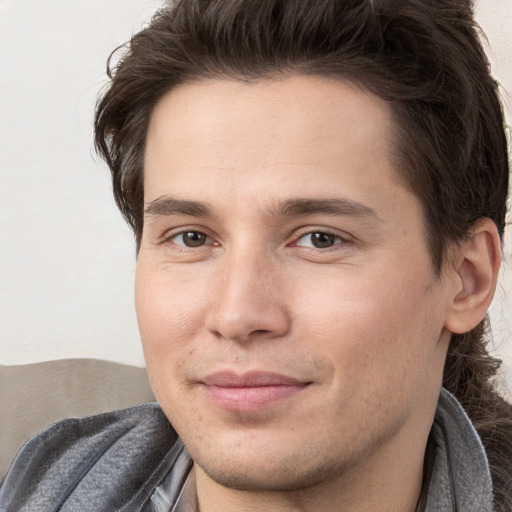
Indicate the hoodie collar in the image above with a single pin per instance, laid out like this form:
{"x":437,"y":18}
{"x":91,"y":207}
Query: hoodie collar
{"x":457,"y":475}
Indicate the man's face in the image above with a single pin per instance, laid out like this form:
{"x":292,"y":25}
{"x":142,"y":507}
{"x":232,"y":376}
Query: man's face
{"x":292,"y":323}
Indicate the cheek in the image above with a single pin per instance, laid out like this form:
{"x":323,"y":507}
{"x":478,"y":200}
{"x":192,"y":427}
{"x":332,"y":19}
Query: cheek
{"x":374,"y":327}
{"x":168,"y":308}
{"x":169,"y":315}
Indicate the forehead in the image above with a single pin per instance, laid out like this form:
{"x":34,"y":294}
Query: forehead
{"x":283,"y":136}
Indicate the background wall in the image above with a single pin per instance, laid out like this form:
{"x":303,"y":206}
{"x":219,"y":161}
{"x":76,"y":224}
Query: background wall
{"x":67,"y":259}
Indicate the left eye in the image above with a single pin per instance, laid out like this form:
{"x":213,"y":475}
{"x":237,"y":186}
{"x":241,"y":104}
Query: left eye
{"x":190,"y":239}
{"x":318,"y":240}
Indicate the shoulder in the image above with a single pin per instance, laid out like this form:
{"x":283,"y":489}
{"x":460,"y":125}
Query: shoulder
{"x":112,"y":454}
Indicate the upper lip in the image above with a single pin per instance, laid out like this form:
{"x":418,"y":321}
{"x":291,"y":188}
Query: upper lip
{"x":231,"y":379}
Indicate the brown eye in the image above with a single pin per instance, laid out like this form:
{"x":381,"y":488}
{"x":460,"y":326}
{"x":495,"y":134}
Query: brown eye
{"x":318,"y":240}
{"x":322,"y":240}
{"x":190,"y":239}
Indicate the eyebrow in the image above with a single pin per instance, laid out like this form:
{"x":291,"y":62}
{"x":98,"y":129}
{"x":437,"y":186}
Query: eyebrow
{"x":167,"y":206}
{"x":329,"y":206}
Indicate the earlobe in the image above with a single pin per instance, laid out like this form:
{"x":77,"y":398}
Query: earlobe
{"x":475,"y":272}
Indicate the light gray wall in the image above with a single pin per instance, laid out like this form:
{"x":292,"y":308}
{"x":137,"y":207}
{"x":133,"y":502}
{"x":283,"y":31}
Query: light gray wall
{"x":67,"y":259}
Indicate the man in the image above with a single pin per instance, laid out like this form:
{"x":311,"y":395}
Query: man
{"x":318,"y":191}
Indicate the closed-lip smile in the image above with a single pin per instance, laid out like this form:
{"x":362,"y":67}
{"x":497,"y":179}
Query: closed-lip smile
{"x":249,"y":391}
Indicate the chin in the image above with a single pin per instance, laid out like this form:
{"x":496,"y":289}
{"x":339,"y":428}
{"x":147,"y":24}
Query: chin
{"x":284,"y":476}
{"x":265,"y":468}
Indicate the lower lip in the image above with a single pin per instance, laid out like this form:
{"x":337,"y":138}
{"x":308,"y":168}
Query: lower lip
{"x":249,"y":398}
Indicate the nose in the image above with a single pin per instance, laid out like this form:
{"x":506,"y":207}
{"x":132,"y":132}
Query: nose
{"x":249,"y":303}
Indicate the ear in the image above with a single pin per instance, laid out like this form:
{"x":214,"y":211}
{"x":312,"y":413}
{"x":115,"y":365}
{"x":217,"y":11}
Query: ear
{"x":473,"y":270}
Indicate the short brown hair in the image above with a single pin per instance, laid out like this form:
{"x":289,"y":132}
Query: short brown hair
{"x":422,"y":56}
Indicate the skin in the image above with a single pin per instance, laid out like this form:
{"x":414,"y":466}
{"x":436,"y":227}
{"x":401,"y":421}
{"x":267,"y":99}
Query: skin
{"x":362,"y":322}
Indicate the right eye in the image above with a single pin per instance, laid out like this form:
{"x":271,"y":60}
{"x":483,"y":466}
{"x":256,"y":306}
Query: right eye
{"x":190,"y":239}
